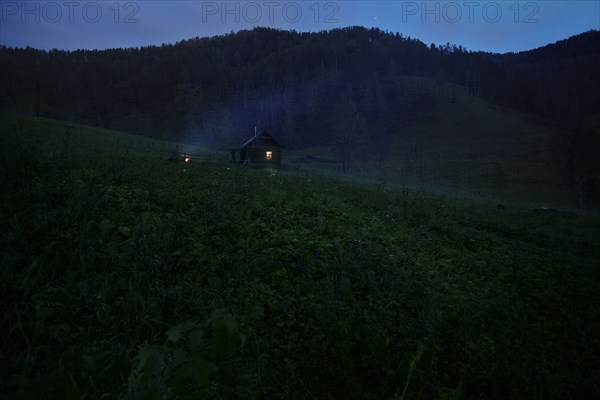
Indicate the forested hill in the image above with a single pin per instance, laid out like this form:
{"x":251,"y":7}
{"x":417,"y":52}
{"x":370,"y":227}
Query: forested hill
{"x":300,"y":85}
{"x":560,"y":79}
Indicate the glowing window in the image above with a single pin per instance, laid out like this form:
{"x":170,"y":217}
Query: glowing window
{"x":269,"y":155}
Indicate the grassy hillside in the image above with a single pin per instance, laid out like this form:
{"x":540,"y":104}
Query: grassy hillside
{"x":464,"y":145}
{"x":49,"y":137}
{"x":124,"y":275}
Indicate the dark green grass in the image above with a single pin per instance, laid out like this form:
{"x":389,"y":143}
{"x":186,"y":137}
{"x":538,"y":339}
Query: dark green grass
{"x":54,"y":138}
{"x":125,"y":276}
{"x":460,"y":147}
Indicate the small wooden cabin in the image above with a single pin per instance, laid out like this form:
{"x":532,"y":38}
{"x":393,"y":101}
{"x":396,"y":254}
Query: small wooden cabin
{"x":261,"y":149}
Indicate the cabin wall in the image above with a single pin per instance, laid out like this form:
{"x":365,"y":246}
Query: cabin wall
{"x":257,"y":155}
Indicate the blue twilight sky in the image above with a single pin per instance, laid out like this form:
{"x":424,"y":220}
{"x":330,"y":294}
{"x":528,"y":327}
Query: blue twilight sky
{"x":498,"y":26}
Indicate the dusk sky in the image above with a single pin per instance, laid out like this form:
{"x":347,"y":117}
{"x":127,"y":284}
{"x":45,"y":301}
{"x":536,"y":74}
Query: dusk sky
{"x":498,"y":26}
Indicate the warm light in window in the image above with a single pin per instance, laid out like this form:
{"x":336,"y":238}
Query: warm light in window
{"x":269,"y":155}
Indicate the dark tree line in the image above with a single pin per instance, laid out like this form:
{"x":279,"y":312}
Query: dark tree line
{"x":562,"y":82}
{"x":212,"y":89}
{"x":215,"y":90}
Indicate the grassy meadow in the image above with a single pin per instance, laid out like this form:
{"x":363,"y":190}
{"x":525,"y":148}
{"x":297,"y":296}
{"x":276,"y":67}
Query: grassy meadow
{"x":127,"y":276}
{"x":461,"y":147}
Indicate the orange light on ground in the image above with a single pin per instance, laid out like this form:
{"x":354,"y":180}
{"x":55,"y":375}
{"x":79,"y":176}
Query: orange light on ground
{"x":186,"y":159}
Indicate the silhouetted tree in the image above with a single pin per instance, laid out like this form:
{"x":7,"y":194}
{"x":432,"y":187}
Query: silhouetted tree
{"x":575,"y":158}
{"x":349,"y":130}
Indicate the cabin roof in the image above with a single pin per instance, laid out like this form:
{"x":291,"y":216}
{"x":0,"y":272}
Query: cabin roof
{"x":262,"y":140}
